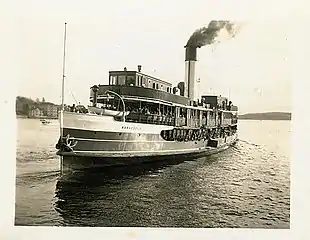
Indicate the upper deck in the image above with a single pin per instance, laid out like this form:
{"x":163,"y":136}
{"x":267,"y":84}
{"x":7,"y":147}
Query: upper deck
{"x":141,"y":92}
{"x":135,"y":84}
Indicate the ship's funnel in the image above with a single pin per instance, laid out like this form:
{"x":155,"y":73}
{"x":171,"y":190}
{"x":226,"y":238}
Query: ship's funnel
{"x":214,"y":33}
{"x":190,"y":62}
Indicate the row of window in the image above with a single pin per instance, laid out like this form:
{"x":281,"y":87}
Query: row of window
{"x":140,"y":81}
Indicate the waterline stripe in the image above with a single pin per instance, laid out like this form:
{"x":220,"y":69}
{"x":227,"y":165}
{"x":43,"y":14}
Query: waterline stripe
{"x":117,"y":140}
{"x":153,"y":151}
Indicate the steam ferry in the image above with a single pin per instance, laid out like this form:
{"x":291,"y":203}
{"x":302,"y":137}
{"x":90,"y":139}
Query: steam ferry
{"x":138,"y":118}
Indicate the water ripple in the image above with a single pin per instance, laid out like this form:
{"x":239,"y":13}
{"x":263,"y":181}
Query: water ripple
{"x":246,"y":186}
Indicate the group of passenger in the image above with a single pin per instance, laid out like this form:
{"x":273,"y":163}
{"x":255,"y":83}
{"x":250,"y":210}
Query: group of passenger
{"x":195,"y":134}
{"x":77,"y":109}
{"x":224,"y":105}
{"x":153,"y":114}
{"x":150,"y":115}
{"x":184,"y":135}
{"x":145,"y":110}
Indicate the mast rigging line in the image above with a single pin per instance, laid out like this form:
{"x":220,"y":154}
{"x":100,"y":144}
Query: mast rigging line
{"x":71,"y":92}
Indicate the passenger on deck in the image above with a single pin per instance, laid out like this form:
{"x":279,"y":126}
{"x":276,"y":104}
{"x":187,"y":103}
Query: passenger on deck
{"x":73,"y":108}
{"x":229,"y":105}
{"x":145,"y":110}
{"x":157,"y":111}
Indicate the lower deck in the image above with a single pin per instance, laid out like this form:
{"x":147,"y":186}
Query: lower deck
{"x":79,"y":162}
{"x":102,"y":137}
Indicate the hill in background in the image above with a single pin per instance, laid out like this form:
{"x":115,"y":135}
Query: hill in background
{"x":267,"y":116}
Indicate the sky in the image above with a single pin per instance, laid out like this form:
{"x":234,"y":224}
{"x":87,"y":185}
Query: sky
{"x":254,"y":68}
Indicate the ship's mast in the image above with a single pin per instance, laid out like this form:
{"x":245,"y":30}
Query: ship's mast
{"x":63,"y":70}
{"x":61,"y":118}
{"x":63,"y":83}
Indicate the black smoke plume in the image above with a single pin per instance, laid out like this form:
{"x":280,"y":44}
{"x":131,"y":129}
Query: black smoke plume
{"x":208,"y":35}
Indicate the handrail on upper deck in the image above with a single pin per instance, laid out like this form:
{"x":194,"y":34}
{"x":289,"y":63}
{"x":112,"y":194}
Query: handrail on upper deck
{"x":121,"y":98}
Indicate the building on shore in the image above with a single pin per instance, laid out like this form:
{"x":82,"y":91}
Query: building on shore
{"x":50,"y":110}
{"x":35,"y":109}
{"x":46,"y":110}
{"x":35,"y":113}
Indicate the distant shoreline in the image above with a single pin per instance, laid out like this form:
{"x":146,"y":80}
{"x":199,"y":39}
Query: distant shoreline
{"x":275,"y":116}
{"x":251,"y":119}
{"x":26,"y":117}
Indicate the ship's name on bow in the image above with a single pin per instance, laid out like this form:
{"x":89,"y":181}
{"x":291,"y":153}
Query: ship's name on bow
{"x":131,"y":128}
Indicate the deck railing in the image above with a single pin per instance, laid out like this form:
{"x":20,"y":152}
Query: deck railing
{"x":150,"y":119}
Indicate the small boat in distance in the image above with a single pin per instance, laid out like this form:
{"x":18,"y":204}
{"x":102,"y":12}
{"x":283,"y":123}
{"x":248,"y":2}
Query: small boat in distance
{"x":139,"y":118}
{"x":45,"y":122}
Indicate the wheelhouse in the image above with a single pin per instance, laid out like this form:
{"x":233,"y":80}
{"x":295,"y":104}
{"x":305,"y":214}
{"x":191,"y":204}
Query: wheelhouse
{"x":138,"y":79}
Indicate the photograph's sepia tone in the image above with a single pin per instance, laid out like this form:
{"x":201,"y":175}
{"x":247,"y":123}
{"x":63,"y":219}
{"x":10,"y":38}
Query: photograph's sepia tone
{"x":150,"y":115}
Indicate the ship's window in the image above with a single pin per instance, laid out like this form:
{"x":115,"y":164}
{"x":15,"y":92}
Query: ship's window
{"x":149,"y":83}
{"x":130,"y":80}
{"x":161,"y":86}
{"x":173,"y":111}
{"x":227,"y":115}
{"x":143,"y":82}
{"x":167,"y":89}
{"x":113,"y":80}
{"x":192,"y":112}
{"x":121,"y":80}
{"x":154,"y":85}
{"x":183,"y":112}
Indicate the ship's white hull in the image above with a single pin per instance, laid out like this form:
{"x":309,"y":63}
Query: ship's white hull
{"x":100,"y":141}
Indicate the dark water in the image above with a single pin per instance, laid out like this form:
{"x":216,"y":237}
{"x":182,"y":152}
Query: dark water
{"x":246,"y":186}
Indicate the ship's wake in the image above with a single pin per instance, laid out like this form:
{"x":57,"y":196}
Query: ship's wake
{"x":32,"y":177}
{"x":253,"y":144}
